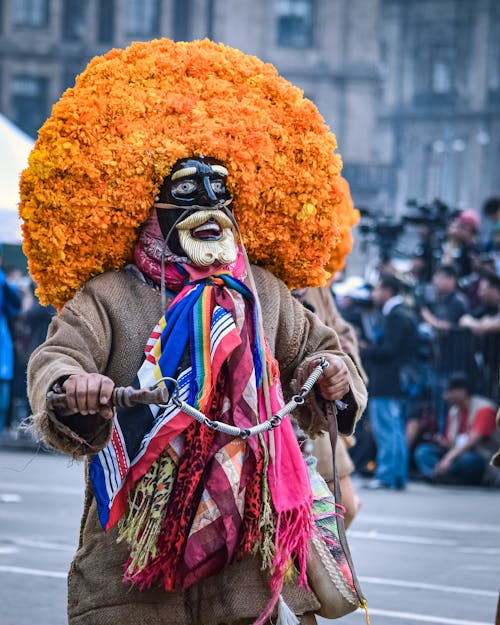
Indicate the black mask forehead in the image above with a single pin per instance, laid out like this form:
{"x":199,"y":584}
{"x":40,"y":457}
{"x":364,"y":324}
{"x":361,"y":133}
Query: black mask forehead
{"x":197,"y":182}
{"x":202,"y":165}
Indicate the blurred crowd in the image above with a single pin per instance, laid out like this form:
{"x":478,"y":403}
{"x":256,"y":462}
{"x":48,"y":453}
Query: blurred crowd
{"x":429,"y":341}
{"x":23,"y":326}
{"x":427,"y":337}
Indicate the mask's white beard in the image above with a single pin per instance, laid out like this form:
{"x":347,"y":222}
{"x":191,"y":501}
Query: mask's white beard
{"x":204,"y":253}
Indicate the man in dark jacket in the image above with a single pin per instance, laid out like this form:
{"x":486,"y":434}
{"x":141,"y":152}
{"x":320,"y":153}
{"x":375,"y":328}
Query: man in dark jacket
{"x":385,"y":360}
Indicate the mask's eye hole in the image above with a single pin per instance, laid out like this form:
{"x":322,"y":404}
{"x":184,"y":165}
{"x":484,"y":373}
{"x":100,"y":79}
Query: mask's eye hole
{"x":184,"y":187}
{"x":217,"y":186}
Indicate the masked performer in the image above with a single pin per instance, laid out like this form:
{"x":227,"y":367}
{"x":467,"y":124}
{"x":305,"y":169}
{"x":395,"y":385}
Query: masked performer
{"x":182,"y":523}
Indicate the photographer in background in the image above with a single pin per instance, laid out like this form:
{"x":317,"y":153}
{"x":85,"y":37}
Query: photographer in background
{"x":460,"y":248}
{"x":424,"y":256}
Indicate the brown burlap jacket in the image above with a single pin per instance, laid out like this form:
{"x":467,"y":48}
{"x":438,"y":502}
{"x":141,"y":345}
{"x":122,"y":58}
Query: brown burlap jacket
{"x":104,"y":329}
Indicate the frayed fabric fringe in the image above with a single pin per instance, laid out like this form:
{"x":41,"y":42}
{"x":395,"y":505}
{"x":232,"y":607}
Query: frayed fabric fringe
{"x":293,"y":530}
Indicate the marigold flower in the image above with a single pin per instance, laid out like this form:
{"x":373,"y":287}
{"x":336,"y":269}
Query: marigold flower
{"x":111,"y":139}
{"x":348,"y":216}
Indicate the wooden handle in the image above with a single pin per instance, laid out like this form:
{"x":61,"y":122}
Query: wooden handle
{"x":122,"y":396}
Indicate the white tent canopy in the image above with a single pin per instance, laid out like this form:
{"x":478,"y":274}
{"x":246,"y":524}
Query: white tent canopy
{"x":15,"y":147}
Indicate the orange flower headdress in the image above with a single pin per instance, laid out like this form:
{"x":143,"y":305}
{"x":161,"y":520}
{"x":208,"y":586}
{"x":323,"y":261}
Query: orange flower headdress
{"x":347,"y":217}
{"x":110,"y":141}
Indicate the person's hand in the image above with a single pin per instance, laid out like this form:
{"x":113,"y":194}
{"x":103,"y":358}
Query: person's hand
{"x":334,"y":381}
{"x":443,"y":465}
{"x":467,"y":321}
{"x":439,"y":439}
{"x":440,"y":325}
{"x":429,"y":318}
{"x":89,"y":393}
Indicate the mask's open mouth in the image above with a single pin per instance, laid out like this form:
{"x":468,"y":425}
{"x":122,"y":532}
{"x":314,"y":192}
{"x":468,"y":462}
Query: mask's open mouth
{"x":206,"y":236}
{"x":205,"y":225}
{"x":210,"y":230}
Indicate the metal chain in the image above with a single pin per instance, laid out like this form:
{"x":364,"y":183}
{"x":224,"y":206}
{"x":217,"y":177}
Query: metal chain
{"x":269,"y":424}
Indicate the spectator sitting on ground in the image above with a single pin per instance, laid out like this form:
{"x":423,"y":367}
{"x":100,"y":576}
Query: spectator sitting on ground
{"x":461,"y":456}
{"x":421,"y":425}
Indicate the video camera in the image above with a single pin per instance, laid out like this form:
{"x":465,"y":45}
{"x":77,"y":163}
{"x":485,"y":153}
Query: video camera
{"x":436,"y":214}
{"x":385,"y":232}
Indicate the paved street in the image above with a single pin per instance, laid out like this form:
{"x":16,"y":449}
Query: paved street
{"x":429,"y":555}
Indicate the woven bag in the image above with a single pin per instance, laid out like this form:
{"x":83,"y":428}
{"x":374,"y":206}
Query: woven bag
{"x":330,"y":570}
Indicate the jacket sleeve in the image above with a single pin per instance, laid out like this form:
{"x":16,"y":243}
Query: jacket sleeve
{"x":302,"y":338}
{"x":78,"y":340}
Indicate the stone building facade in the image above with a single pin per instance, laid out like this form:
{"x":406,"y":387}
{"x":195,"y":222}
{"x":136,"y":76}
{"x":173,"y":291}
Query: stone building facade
{"x":410,"y":87}
{"x":327,"y":47}
{"x":439,"y":118}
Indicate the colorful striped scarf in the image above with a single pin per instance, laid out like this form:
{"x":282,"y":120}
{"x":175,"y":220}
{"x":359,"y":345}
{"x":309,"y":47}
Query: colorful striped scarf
{"x":197,"y":498}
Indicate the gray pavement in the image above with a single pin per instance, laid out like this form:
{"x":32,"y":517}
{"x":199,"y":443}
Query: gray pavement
{"x":427,"y":555}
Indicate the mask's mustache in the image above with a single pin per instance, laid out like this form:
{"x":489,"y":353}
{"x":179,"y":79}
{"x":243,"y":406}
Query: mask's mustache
{"x":198,"y":218}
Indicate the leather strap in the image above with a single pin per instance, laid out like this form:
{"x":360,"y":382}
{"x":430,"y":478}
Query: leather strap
{"x":333,"y":430}
{"x":331,"y":412}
